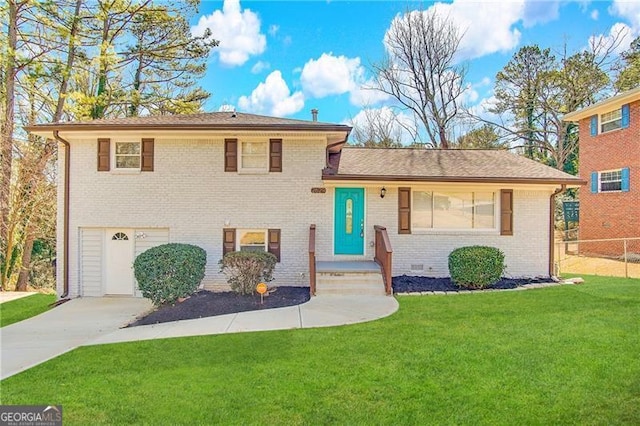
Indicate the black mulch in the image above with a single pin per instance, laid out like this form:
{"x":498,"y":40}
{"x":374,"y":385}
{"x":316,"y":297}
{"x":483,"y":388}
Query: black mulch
{"x":207,"y":304}
{"x":409,"y":284}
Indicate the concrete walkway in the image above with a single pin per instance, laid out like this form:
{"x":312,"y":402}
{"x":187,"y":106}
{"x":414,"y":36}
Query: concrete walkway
{"x":92,"y":321}
{"x":8,"y":296}
{"x":320,"y":311}
{"x":36,"y":340}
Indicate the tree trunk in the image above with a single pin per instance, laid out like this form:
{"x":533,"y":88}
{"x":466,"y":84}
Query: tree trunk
{"x":23,"y":278}
{"x":6,"y":133}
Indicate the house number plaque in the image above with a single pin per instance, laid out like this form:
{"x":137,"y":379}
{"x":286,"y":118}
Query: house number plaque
{"x":318,"y":190}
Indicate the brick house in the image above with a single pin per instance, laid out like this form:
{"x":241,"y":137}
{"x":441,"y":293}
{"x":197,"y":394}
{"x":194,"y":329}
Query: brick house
{"x":609,"y":134}
{"x":230,"y":181}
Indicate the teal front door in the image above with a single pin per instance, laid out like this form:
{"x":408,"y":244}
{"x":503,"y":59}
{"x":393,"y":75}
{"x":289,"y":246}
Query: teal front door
{"x":349,"y":221}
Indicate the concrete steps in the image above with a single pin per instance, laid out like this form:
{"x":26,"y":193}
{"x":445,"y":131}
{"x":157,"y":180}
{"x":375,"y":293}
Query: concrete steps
{"x":349,"y":278}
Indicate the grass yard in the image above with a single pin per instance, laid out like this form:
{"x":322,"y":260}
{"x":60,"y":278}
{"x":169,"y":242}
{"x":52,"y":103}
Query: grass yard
{"x":559,"y":355}
{"x":23,"y":308}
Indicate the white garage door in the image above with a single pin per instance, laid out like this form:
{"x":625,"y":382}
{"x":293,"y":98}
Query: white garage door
{"x":107,"y":256}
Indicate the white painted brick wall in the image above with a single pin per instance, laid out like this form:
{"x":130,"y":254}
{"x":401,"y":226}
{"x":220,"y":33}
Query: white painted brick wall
{"x":190,"y":194}
{"x":526,"y":252}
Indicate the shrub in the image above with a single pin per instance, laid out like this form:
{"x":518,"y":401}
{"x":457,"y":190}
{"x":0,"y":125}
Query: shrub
{"x":476,"y":266}
{"x":170,"y":271}
{"x":245,"y":269}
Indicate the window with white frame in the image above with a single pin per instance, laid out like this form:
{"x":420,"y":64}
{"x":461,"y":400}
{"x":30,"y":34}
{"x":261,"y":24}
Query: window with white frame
{"x":127,"y":155}
{"x":254,"y":156}
{"x":453,"y":210}
{"x":611,"y":120}
{"x":251,"y":239}
{"x":610,"y":180}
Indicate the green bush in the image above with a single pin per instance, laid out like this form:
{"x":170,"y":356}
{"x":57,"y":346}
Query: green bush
{"x":170,"y":271}
{"x":245,"y":269}
{"x":476,"y":266}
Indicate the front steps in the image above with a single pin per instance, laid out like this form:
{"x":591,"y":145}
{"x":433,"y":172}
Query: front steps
{"x":349,"y":278}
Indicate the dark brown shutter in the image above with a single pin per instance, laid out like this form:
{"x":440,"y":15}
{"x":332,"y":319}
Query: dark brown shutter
{"x":275,"y":155}
{"x":231,"y":155}
{"x":147,"y":155}
{"x":404,"y":210}
{"x":104,"y":155}
{"x":273,"y":245}
{"x":228,"y":240}
{"x":506,"y":212}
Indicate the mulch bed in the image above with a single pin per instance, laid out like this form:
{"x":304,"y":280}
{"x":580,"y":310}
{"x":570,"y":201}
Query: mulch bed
{"x":410,"y":284}
{"x":207,"y":304}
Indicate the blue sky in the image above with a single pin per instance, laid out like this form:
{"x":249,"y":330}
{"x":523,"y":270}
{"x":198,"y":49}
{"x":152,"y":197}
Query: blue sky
{"x":284,"y":58}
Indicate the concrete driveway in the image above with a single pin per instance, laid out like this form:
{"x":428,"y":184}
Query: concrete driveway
{"x":72,"y":324}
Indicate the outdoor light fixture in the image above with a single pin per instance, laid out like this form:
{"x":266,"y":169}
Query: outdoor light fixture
{"x":383,"y":192}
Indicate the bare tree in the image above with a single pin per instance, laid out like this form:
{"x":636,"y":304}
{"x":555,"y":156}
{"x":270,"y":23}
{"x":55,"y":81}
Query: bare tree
{"x":377,"y":128}
{"x":420,"y":70}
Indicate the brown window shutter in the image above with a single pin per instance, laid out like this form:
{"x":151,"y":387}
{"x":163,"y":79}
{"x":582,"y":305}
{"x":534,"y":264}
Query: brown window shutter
{"x":147,"y":155}
{"x":275,"y":155}
{"x":104,"y":155}
{"x":273,"y":245}
{"x":228,"y":240}
{"x":404,"y":210}
{"x":506,"y":212}
{"x":231,"y":155}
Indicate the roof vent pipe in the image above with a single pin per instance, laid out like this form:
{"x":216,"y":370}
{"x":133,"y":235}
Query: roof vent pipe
{"x":314,"y":114}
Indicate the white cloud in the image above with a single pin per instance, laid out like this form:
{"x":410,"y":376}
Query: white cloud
{"x":330,"y":75}
{"x":487,"y":27}
{"x":238,"y":32}
{"x":539,"y":12}
{"x":595,"y":14}
{"x":272,"y":97}
{"x":364,"y":94}
{"x":260,"y":66}
{"x":273,"y":30}
{"x":629,"y":10}
{"x":620,"y":35}
{"x":335,"y":75}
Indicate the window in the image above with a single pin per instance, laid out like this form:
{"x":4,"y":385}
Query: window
{"x":253,"y":156}
{"x":252,"y":240}
{"x":611,"y":181}
{"x":611,"y":120}
{"x":453,"y":210}
{"x":127,"y":155}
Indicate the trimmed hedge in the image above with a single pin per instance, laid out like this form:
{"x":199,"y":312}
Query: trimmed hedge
{"x":170,"y":271}
{"x":245,"y":269}
{"x":476,"y":267}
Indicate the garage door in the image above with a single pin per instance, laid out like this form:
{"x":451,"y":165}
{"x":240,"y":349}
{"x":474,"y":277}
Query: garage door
{"x":107,"y":256}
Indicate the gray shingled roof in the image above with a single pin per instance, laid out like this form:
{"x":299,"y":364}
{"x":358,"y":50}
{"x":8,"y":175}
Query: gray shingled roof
{"x":444,"y":165}
{"x":211,"y":120}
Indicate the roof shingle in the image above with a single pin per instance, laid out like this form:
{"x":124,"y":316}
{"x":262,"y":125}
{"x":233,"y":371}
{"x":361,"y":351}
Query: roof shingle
{"x":210,"y":120}
{"x":444,"y":165}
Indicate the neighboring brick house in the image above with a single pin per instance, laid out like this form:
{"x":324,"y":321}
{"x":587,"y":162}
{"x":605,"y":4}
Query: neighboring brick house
{"x":609,"y":134}
{"x":232,"y":181}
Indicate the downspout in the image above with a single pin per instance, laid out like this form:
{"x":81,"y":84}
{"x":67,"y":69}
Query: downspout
{"x":552,"y":226}
{"x":65,"y":232}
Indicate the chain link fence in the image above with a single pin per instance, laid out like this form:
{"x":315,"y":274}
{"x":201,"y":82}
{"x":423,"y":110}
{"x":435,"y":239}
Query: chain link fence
{"x":617,"y":257}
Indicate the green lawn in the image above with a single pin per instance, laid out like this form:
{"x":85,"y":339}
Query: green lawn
{"x":559,"y":355}
{"x":26,"y":307}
